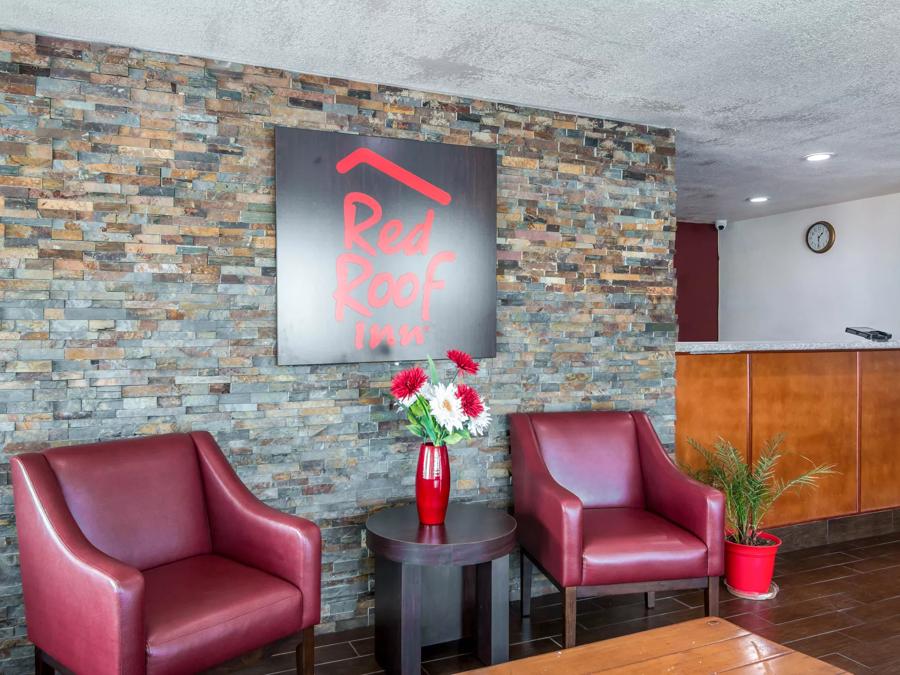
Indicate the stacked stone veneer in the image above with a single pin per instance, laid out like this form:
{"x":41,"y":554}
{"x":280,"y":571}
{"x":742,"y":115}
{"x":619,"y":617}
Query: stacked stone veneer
{"x":137,"y":281}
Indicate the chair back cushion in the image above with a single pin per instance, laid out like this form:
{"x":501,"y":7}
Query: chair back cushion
{"x":594,"y":455}
{"x":138,"y":500}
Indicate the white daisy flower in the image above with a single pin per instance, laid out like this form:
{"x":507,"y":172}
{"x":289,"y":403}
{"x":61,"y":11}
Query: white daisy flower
{"x":445,"y":407}
{"x":424,"y":391}
{"x":406,"y":402}
{"x":478,"y":425}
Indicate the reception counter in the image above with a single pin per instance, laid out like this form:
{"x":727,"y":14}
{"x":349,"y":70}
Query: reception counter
{"x":856,"y":344}
{"x":837,"y":403}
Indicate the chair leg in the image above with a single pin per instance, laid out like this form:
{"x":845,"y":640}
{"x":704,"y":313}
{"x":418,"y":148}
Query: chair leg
{"x":306,"y":652}
{"x":41,"y":667}
{"x":526,"y":568}
{"x":569,"y":597}
{"x":711,"y":597}
{"x":650,"y":597}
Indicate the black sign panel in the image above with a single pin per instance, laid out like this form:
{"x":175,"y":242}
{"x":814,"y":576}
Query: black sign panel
{"x":386,"y":248}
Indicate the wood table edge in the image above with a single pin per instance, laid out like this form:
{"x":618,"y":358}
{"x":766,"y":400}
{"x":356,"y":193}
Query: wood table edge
{"x":551,"y":662}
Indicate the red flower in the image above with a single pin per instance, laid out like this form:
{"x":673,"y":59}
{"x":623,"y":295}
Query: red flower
{"x":407,"y":382}
{"x":470,"y":400}
{"x":463,"y":361}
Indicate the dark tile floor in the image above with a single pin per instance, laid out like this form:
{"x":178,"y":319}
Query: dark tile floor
{"x":840,"y":603}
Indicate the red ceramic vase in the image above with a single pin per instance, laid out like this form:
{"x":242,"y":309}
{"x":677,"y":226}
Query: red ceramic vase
{"x":432,"y":484}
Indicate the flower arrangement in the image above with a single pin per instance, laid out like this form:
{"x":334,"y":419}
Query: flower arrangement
{"x":439,"y":413}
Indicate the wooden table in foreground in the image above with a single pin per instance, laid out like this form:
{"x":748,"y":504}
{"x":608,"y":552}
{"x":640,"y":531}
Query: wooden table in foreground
{"x":700,"y":646}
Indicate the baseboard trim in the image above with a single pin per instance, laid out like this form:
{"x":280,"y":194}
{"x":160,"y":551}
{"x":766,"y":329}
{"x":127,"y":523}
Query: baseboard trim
{"x":838,"y":530}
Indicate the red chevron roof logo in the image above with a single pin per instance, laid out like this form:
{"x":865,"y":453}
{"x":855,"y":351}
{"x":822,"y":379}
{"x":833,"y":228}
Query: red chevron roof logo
{"x":395,"y":171}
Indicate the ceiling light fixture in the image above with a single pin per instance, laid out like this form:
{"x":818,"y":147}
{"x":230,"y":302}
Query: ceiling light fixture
{"x":757,"y":200}
{"x":819,"y":156}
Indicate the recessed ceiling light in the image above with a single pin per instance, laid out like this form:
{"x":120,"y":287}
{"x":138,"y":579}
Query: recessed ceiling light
{"x":757,"y":200}
{"x":819,"y":156}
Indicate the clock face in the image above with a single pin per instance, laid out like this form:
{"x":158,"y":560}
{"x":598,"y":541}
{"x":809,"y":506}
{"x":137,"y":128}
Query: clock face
{"x":820,"y":237}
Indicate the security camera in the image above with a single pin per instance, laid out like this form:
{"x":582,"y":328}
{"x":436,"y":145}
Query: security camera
{"x":721,"y":225}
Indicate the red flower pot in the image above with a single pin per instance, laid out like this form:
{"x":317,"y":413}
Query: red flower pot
{"x":432,"y":484}
{"x":750,"y":568}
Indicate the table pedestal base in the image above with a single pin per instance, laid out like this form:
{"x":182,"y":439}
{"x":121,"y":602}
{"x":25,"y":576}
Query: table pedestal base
{"x":418,"y":605}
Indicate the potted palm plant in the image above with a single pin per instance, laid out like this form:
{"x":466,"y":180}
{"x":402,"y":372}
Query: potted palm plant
{"x":750,"y":491}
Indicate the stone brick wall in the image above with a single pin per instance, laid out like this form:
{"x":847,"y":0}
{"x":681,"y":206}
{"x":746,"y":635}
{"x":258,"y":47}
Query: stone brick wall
{"x":137,"y":275}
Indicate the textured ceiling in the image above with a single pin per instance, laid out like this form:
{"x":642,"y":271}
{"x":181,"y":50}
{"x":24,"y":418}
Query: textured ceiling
{"x":751,"y":86}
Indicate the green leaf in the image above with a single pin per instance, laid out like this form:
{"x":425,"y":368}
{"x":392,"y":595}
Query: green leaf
{"x":455,"y":437}
{"x":430,"y":427}
{"x":417,"y":408}
{"x":432,"y":371}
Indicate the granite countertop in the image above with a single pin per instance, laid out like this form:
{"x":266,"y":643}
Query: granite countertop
{"x":780,"y":346}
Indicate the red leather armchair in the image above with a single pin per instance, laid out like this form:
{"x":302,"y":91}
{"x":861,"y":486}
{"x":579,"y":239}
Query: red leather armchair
{"x":150,"y":556}
{"x":601,"y":508}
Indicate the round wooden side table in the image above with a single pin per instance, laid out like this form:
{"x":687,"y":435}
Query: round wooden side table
{"x":436,"y":583}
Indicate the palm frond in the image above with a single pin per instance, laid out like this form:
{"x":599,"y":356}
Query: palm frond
{"x":750,"y":490}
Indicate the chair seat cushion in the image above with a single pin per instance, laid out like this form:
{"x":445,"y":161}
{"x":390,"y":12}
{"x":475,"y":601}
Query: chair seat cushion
{"x":632,"y":545}
{"x":204,"y":610}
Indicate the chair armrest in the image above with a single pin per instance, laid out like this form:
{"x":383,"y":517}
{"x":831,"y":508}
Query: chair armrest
{"x":83,"y":608}
{"x":549,"y":516}
{"x":698,"y":508}
{"x":246,"y":529}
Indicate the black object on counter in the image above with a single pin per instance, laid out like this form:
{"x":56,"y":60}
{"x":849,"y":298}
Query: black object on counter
{"x":870,"y":334}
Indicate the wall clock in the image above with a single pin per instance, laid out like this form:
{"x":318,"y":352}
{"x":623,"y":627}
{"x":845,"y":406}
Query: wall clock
{"x":820,"y":237}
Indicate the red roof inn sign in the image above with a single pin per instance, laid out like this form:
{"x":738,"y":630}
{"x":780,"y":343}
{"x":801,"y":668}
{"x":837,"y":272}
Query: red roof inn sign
{"x":386,"y":248}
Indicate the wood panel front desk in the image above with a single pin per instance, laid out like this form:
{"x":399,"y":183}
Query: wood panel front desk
{"x":834,"y":407}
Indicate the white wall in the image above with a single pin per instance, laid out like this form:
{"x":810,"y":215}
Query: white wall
{"x":772,"y":287}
